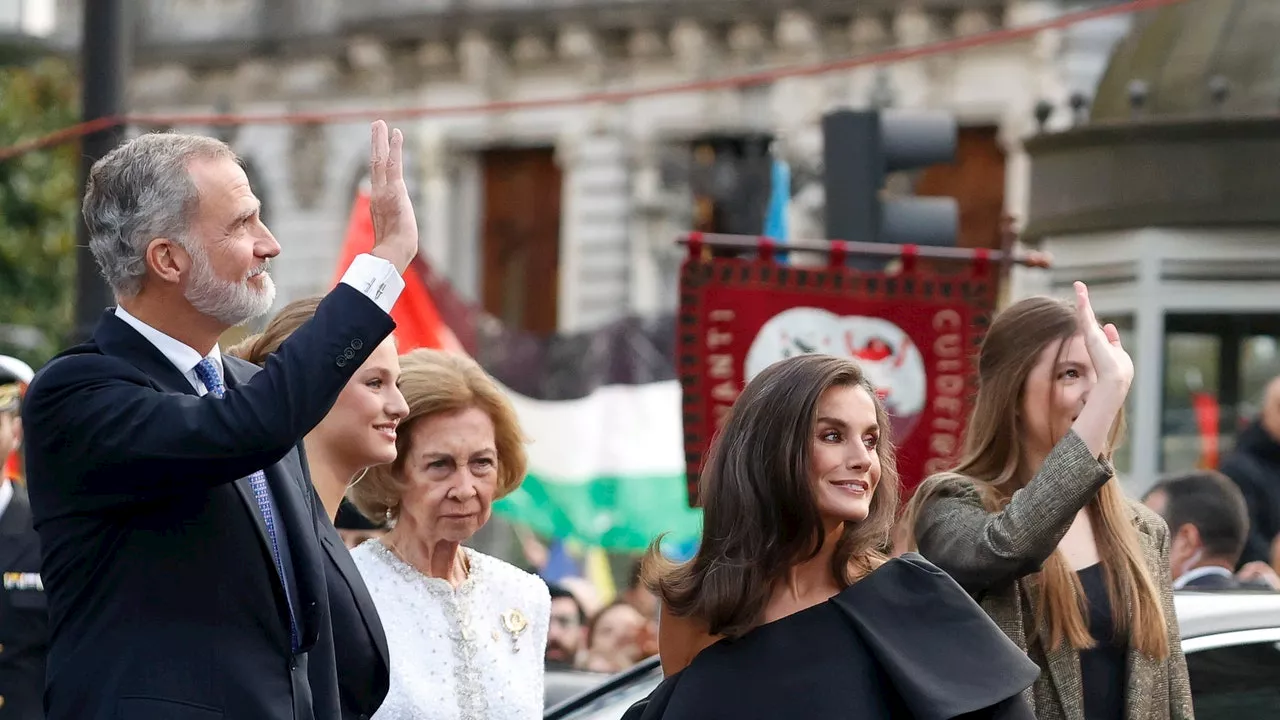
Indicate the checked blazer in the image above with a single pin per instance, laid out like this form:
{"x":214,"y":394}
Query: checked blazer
{"x":996,"y":558}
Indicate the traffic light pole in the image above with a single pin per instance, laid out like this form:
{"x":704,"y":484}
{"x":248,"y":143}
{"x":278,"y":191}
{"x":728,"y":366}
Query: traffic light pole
{"x":104,"y":70}
{"x":852,"y":171}
{"x":860,"y":149}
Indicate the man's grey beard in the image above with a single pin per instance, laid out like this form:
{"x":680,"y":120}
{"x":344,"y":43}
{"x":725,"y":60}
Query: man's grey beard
{"x":230,"y":303}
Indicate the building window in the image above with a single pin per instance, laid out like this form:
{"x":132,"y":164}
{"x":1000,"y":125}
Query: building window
{"x":1215,"y":369}
{"x":1259,"y":364}
{"x":729,"y":178}
{"x":1191,"y":430}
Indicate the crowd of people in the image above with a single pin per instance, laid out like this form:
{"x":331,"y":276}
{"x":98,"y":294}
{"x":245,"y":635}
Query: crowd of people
{"x":604,"y":639}
{"x":279,"y":530}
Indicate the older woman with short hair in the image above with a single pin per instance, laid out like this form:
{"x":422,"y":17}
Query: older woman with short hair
{"x":467,"y":631}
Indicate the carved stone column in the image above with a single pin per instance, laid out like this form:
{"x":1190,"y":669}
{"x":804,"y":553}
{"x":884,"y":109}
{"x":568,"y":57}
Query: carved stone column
{"x":580,"y":45}
{"x":483,"y":63}
{"x":437,"y":206}
{"x":1044,"y":76}
{"x":370,"y":65}
{"x":747,"y":45}
{"x":255,"y":78}
{"x":797,"y":34}
{"x":645,"y":43}
{"x":435,"y":55}
{"x":868,"y":33}
{"x":568,"y":155}
{"x":698,"y":55}
{"x":159,"y":84}
{"x":646,"y":221}
{"x":692,"y":45}
{"x":308,"y":160}
{"x":913,"y":80}
{"x":798,"y":101}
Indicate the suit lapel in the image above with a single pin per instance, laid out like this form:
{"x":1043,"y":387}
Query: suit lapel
{"x":242,"y":485}
{"x":364,"y":601}
{"x":1064,"y":670}
{"x":300,"y":523}
{"x":291,"y":491}
{"x":1062,"y":663}
{"x":246,"y":495}
{"x":115,"y":337}
{"x":1142,"y":670}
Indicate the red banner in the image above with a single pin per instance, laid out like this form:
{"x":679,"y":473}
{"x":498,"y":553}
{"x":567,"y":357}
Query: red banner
{"x":914,"y":332}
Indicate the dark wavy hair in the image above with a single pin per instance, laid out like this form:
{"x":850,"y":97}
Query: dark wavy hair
{"x":760,"y":514}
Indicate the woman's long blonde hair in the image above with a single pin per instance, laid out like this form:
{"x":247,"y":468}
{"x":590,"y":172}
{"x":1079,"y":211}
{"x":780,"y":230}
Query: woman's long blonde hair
{"x":993,"y":458}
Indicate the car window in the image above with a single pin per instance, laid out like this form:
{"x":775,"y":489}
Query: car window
{"x":560,"y":685}
{"x":611,"y":705}
{"x":1236,"y":680}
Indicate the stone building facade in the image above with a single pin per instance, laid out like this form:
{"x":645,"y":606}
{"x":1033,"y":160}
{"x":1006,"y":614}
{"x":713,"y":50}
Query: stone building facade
{"x":592,"y":192}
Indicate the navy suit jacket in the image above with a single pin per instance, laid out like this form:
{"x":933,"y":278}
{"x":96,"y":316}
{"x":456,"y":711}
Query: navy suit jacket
{"x":359,"y":643}
{"x":164,"y":602}
{"x":1206,"y":583}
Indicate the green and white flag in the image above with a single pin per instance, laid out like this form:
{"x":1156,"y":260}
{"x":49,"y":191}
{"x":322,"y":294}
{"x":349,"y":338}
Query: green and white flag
{"x":606,"y":469}
{"x":603,"y":413}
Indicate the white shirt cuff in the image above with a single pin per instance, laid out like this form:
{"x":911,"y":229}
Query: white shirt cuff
{"x":376,"y":278}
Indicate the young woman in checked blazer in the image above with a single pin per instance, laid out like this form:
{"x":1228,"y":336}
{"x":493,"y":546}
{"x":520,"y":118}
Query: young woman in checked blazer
{"x":1034,"y":524}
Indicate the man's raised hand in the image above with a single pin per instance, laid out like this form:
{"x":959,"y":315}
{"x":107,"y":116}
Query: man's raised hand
{"x":395,"y":228}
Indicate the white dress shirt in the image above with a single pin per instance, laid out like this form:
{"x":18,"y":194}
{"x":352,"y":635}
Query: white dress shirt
{"x":1195,"y":573}
{"x":373,"y":276}
{"x":6,"y":494}
{"x":179,"y":353}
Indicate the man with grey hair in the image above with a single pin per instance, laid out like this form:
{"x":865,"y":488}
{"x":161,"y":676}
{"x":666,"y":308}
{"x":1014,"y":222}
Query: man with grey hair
{"x":181,"y":559}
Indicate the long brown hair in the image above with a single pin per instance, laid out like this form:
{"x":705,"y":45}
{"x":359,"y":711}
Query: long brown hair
{"x":759,"y":513}
{"x":993,"y":458}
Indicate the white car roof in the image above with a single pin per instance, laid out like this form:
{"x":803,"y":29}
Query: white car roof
{"x":1207,"y":613}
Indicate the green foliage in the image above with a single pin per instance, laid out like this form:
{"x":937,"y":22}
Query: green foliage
{"x":39,"y":202}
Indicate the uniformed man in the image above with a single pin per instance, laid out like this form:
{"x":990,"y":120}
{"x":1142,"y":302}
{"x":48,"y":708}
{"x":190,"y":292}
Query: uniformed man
{"x":24,"y":633}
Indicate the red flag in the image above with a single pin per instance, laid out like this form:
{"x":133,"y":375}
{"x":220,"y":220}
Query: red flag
{"x":418,"y":322}
{"x":1207,"y":416}
{"x":13,"y":467}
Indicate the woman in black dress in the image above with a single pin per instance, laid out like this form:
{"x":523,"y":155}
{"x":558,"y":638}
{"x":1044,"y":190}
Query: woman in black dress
{"x":790,"y":608}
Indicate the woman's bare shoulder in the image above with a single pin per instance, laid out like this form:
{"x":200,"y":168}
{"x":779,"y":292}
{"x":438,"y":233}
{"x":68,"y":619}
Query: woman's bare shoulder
{"x":680,"y":639}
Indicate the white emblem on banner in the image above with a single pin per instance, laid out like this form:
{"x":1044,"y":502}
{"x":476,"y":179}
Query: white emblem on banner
{"x":886,"y":354}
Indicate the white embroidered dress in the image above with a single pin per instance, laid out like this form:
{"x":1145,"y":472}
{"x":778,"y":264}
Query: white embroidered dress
{"x":459,"y":654}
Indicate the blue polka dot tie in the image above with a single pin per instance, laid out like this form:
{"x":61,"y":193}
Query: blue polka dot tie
{"x":208,"y":374}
